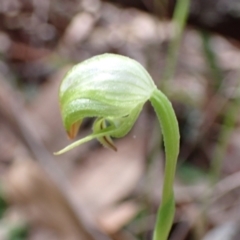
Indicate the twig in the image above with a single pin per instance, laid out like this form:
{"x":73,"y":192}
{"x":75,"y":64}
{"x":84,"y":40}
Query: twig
{"x":20,"y":122}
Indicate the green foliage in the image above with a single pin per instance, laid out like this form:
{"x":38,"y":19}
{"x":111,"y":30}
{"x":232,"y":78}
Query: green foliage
{"x":3,"y":203}
{"x":3,"y":206}
{"x":113,"y":89}
{"x":19,"y":232}
{"x":190,"y":174}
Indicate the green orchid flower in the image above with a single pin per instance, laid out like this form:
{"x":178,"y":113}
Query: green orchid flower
{"x":114,"y":89}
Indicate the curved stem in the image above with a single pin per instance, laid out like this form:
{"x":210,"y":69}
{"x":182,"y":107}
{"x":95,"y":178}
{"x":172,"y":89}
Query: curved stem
{"x":170,"y":131}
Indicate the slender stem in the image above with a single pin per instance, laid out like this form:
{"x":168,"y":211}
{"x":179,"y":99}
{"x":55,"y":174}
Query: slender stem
{"x":211,"y":60}
{"x":229,"y":122}
{"x":179,"y":18}
{"x":170,"y":131}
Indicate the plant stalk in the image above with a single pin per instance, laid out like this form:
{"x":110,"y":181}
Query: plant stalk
{"x":170,"y":131}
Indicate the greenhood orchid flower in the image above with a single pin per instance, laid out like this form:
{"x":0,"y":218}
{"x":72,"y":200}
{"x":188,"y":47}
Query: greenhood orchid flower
{"x":110,"y":87}
{"x":113,"y":89}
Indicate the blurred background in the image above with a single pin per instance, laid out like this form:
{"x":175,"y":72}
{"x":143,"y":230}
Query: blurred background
{"x":94,"y":193}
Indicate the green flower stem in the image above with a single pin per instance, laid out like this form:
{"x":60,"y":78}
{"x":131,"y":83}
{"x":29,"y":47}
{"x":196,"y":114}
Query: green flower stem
{"x":170,"y":131}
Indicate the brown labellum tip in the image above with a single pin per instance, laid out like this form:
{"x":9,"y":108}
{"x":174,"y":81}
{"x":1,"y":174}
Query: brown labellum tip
{"x":74,"y":129}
